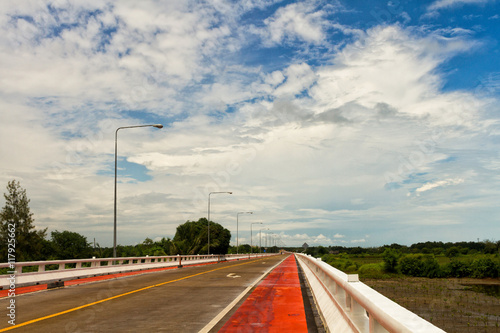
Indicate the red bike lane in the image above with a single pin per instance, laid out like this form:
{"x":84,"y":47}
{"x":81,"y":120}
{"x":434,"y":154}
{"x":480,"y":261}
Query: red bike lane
{"x":275,"y":305}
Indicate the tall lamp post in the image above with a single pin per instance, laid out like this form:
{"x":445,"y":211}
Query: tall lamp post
{"x":116,"y":163}
{"x":251,"y":243}
{"x":209,"y":194}
{"x":237,"y":237}
{"x":260,"y":239}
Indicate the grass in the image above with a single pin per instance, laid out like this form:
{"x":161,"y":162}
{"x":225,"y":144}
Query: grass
{"x":450,"y":304}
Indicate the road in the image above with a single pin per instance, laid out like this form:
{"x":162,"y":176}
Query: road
{"x":179,"y":300}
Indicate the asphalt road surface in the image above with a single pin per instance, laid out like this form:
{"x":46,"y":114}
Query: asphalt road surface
{"x":178,"y":300}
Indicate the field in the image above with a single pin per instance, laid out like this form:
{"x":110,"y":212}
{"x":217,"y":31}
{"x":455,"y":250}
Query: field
{"x":451,"y":304}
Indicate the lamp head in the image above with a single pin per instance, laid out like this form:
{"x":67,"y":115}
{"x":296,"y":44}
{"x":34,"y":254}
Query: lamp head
{"x":158,"y":126}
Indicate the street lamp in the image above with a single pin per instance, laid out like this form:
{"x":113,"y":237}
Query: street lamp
{"x":260,"y":239}
{"x":116,"y":162}
{"x":237,"y":239}
{"x":251,"y":243}
{"x":208,"y":250}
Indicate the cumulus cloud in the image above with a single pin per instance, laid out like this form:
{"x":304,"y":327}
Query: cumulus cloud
{"x":297,"y":21}
{"x":309,"y":146}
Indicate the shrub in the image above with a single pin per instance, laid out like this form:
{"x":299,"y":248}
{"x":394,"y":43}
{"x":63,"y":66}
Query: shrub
{"x":484,"y":267}
{"x":457,"y":269}
{"x":372,"y":271}
{"x":351,"y":268}
{"x":431,"y":268}
{"x":390,"y":257}
{"x":411,"y":265}
{"x":453,"y":251}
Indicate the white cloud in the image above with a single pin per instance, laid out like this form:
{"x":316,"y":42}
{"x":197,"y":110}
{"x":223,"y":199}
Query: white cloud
{"x":298,"y":78}
{"x":297,"y":21}
{"x":306,"y":146}
{"x":439,"y":183}
{"x":362,"y":240}
{"x":441,"y":4}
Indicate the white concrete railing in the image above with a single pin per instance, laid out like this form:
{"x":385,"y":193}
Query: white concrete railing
{"x":347,"y":305}
{"x":99,"y":266}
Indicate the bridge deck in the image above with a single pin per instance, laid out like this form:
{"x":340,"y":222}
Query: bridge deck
{"x":180,"y":300}
{"x":276,"y":305}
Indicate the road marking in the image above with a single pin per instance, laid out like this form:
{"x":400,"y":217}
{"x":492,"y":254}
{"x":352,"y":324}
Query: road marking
{"x":233,"y":275}
{"x":275,"y":305}
{"x":231,"y":305}
{"x":118,"y":296}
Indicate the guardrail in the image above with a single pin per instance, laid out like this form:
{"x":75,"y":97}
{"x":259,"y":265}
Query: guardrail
{"x":37,"y":272}
{"x":348,"y":305}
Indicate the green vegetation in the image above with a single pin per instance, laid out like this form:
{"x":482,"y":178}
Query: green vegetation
{"x":17,"y":219}
{"x":454,"y":305}
{"x":66,"y":245}
{"x":245,"y":248}
{"x":191,"y":238}
{"x":430,"y":259}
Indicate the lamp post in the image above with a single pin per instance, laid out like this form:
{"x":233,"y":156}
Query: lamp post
{"x":251,"y":242}
{"x":237,"y":237}
{"x":260,"y":239}
{"x":209,"y":194}
{"x":272,"y":240}
{"x":116,"y":163}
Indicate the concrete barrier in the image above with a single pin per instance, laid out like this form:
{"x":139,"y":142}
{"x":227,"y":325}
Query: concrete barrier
{"x":348,"y":305}
{"x":81,"y":268}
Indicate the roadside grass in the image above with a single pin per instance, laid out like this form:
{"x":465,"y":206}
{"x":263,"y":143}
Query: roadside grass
{"x":452,"y":304}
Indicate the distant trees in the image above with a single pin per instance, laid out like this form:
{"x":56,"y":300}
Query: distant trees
{"x":16,"y":216}
{"x":429,"y":259}
{"x":453,"y":251}
{"x":69,"y":245}
{"x":391,"y":257}
{"x":147,"y":248}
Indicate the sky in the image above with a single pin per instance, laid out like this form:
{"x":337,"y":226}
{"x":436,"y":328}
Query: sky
{"x":351,"y":123}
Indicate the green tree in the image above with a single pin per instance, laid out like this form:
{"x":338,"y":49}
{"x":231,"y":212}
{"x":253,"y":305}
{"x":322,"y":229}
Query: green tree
{"x":16,"y":215}
{"x":412,"y":265}
{"x":245,"y":248}
{"x":191,"y":238}
{"x":453,"y":251}
{"x":457,"y":269}
{"x":431,"y":268}
{"x":391,"y":257}
{"x":484,"y":268}
{"x":490,"y":247}
{"x":70,"y":245}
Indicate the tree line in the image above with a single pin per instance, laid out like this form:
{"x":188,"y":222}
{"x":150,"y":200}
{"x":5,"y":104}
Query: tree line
{"x":449,"y":249}
{"x":429,"y":259}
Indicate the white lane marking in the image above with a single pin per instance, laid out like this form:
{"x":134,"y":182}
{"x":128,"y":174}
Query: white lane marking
{"x":228,"y":308}
{"x":233,"y":275}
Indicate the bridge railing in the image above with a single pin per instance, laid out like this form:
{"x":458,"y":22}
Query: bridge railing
{"x":348,"y":305}
{"x":36,"y":272}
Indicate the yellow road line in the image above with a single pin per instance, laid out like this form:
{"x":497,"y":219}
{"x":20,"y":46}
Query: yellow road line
{"x":117,"y":296}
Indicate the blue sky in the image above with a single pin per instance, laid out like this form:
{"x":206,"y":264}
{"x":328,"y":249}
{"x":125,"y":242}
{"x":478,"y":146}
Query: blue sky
{"x":355,"y":123}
